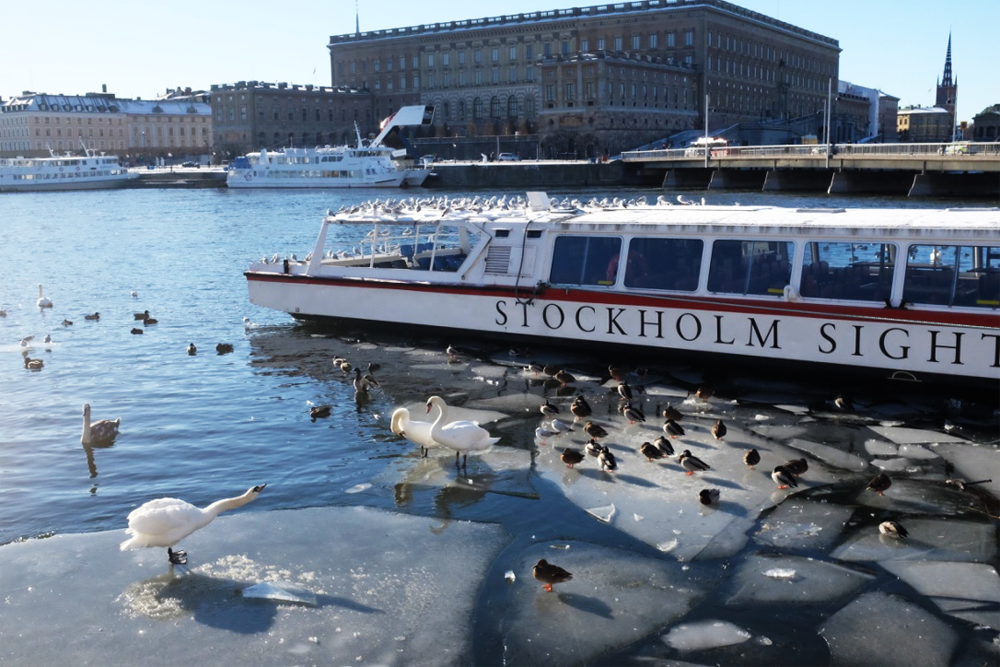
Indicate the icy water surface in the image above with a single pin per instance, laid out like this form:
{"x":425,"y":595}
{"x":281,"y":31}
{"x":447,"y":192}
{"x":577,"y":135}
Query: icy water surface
{"x":765,"y":576}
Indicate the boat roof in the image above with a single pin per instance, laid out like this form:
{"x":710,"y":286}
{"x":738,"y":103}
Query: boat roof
{"x":620,"y":216}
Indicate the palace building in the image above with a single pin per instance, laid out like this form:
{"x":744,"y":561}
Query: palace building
{"x":594,"y":80}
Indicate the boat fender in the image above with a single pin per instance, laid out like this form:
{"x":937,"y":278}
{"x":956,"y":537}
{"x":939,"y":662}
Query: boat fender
{"x":285,"y":265}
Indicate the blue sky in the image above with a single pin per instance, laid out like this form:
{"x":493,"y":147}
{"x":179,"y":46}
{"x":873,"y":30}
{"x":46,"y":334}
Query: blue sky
{"x":140,"y":49}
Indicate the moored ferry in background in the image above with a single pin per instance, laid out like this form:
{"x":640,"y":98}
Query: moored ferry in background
{"x":372,"y":165}
{"x":90,"y":171}
{"x":909,"y":294}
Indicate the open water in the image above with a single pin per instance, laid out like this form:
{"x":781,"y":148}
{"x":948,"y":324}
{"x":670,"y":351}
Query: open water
{"x":205,"y":426}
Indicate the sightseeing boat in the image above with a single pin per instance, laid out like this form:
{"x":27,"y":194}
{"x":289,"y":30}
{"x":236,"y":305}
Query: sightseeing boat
{"x":90,"y":171}
{"x":364,"y":165}
{"x":910,"y":294}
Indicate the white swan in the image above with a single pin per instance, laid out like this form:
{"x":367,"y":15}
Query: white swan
{"x":463,"y":436}
{"x":43,"y":301}
{"x":166,"y":521}
{"x":417,"y":432}
{"x":99,"y":431}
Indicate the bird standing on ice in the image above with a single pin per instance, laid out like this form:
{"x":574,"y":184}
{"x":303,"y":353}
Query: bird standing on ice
{"x":166,"y":521}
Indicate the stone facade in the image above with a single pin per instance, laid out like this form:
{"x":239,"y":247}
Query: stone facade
{"x":986,"y":124}
{"x":251,"y":115}
{"x":919,"y":125}
{"x":652,"y":64}
{"x":32,"y":124}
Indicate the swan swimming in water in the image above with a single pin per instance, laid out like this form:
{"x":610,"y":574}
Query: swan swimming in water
{"x":102,"y":430}
{"x":463,"y":436}
{"x":166,"y":521}
{"x":43,"y":301}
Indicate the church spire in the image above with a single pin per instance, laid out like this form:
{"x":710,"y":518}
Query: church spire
{"x":946,"y":81}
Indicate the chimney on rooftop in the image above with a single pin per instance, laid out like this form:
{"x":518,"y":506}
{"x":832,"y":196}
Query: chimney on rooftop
{"x":104,"y":87}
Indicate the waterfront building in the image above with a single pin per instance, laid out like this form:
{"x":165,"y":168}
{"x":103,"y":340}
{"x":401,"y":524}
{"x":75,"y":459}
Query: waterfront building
{"x":863,"y":114}
{"x":34,"y":124}
{"x":920,"y":125}
{"x":986,"y":124}
{"x":610,"y":76}
{"x":251,"y":115}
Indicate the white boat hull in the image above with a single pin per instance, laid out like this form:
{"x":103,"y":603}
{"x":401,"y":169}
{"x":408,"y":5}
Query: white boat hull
{"x":401,"y":179}
{"x":861,"y":338}
{"x":75,"y":184}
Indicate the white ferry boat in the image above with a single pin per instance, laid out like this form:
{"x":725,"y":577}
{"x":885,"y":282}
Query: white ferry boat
{"x":89,"y":171}
{"x":908,"y":293}
{"x":361,"y":166}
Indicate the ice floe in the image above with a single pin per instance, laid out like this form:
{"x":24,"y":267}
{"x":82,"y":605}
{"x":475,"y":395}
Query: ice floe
{"x":702,"y":635}
{"x":791,"y":580}
{"x":944,"y":539}
{"x":801,"y":524}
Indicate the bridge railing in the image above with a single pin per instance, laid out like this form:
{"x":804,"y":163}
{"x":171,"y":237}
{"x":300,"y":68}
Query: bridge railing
{"x":950,"y":150}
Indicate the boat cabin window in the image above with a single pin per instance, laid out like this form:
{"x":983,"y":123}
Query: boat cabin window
{"x":663,"y":264}
{"x":842,"y":270}
{"x":950,"y":275}
{"x":584,"y":260}
{"x":750,"y":267}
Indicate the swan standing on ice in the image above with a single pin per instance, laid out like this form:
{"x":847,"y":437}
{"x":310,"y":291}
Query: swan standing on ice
{"x":463,"y":436}
{"x":100,"y":431}
{"x":166,"y":521}
{"x":43,"y":301}
{"x":417,"y":432}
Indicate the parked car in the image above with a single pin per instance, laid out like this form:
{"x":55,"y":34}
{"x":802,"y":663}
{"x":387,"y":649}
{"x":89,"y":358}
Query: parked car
{"x":508,"y":157}
{"x":189,"y":164}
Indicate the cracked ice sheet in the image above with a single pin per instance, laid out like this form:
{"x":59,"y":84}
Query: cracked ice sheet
{"x":903,"y":435}
{"x":949,"y":539}
{"x":970,"y":591}
{"x":974,"y":462}
{"x":616,"y":597}
{"x":804,"y":524}
{"x":390,"y":589}
{"x":881,"y":629}
{"x":657,"y":503}
{"x":792,"y":579}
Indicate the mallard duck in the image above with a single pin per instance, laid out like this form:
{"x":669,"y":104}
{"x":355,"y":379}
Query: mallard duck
{"x":103,"y":430}
{"x":617,"y":372}
{"x":548,"y":409}
{"x":843,"y":404}
{"x":594,"y":430}
{"x":148,"y":321}
{"x":708,"y":496}
{"x":664,"y":446}
{"x":692,"y":463}
{"x":633,"y":413}
{"x":751,"y":458}
{"x":370,"y":375}
{"x":581,"y":408}
{"x":67,"y":323}
{"x":593,"y":448}
{"x":43,"y":301}
{"x":166,"y":521}
{"x":650,"y":451}
{"x":892,"y":529}
{"x":719,"y":430}
{"x":453,"y":351}
{"x":141,"y":316}
{"x":571,"y":456}
{"x":796,"y":466}
{"x":564,"y":377}
{"x":224,"y":348}
{"x":962,"y":485}
{"x":192,"y":350}
{"x":534,"y":367}
{"x":670,"y":412}
{"x":137,"y":331}
{"x":3,"y":313}
{"x":550,"y":369}
{"x":704,"y":393}
{"x":673,"y":429}
{"x":607,"y":460}
{"x":33,"y":364}
{"x":624,"y":390}
{"x":880,"y":483}
{"x":95,"y":316}
{"x":549,"y":574}
{"x":319,"y":412}
{"x":361,"y":384}
{"x":783,"y":478}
